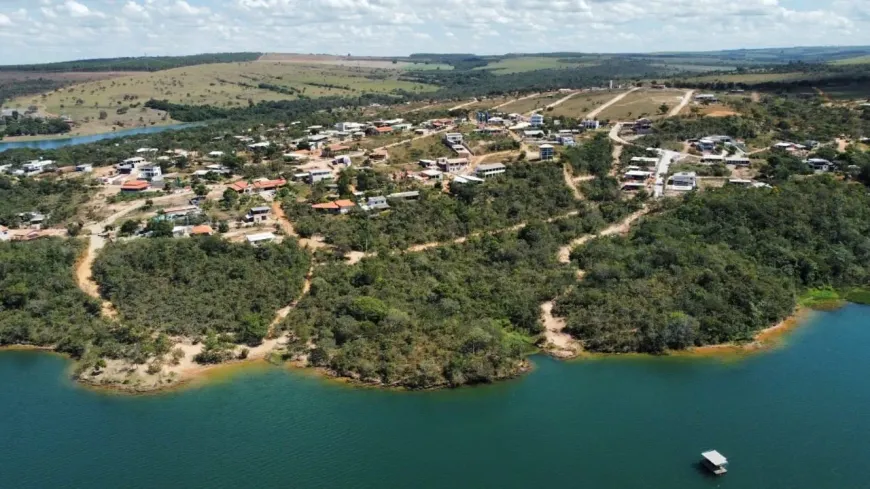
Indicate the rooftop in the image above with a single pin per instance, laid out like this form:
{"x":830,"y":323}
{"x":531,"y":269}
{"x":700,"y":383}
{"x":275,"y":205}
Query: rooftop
{"x":715,"y":457}
{"x":201,"y":229}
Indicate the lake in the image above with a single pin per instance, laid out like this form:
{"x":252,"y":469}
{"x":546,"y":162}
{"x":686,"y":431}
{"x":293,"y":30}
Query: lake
{"x":795,"y":417}
{"x":93,"y":138}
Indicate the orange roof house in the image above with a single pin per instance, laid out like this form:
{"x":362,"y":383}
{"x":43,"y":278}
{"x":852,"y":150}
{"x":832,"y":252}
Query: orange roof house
{"x":202,"y":230}
{"x":270,"y":184}
{"x":240,"y":186}
{"x":335,"y":149}
{"x":337,"y":207}
{"x":135,"y":186}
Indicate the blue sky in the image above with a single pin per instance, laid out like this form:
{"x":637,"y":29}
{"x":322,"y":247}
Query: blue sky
{"x":34,"y":31}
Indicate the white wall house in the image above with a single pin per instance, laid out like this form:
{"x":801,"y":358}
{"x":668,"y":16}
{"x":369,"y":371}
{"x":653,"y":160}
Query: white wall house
{"x":536,"y":120}
{"x":491,"y":170}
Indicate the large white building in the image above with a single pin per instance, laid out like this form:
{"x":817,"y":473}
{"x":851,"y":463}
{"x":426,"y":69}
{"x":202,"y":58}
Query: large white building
{"x":490,"y":170}
{"x":547,"y":152}
{"x":536,"y":120}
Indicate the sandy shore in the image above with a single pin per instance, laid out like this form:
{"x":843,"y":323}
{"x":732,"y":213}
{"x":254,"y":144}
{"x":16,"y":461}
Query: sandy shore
{"x":762,"y":341}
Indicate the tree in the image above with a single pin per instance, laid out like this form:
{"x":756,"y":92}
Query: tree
{"x":253,"y":329}
{"x":103,"y":115}
{"x":159,"y":228}
{"x":200,"y":190}
{"x":129,"y":227}
{"x":663,"y":108}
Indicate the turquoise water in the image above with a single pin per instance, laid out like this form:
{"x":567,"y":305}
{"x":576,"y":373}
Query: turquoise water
{"x":796,"y":417}
{"x":72,"y":141}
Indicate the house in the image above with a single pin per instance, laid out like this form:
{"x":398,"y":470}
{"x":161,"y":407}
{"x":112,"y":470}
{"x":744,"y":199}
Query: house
{"x":180,"y":231}
{"x":468,"y":179}
{"x":318,"y":174}
{"x":452,"y":165}
{"x":261,"y":238}
{"x":490,"y":170}
{"x":84,"y":168}
{"x":819,"y":164}
{"x":591,"y":124}
{"x":644,"y":161}
{"x":151,"y":172}
{"x":534,"y":134}
{"x":146,"y":150}
{"x":377,"y":131}
{"x":127,"y":166}
{"x":547,"y":152}
{"x":712,"y":159}
{"x":432,"y":174}
{"x":785,"y":146}
{"x":267,"y":185}
{"x":343,"y":160}
{"x":132,"y":186}
{"x":412,"y":195}
{"x":428,"y":164}
{"x":36,"y":167}
{"x":705,"y":144}
{"x":566,"y":140}
{"x":637,"y":175}
{"x":684,"y":181}
{"x":378,"y":203}
{"x":179,"y":212}
{"x":738,"y":161}
{"x":348,"y":126}
{"x":32,"y":218}
{"x":216,"y":154}
{"x":241,"y":187}
{"x":388,"y":122}
{"x":202,"y":230}
{"x":337,"y":207}
{"x":379,"y":155}
{"x":536,"y":120}
{"x":4,"y":234}
{"x":452,"y":138}
{"x":402,"y":127}
{"x":334,"y":150}
{"x":706,"y":98}
{"x":258,"y":214}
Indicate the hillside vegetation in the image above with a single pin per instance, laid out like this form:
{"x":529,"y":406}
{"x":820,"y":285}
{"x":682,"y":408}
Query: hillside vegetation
{"x":196,"y":286}
{"x":142,"y":63}
{"x":719,"y":266}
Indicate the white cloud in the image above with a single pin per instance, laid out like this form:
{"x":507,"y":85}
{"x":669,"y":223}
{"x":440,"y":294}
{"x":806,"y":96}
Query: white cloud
{"x":95,"y":28}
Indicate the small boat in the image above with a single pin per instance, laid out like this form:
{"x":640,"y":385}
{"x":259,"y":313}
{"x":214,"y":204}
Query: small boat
{"x":715,"y":462}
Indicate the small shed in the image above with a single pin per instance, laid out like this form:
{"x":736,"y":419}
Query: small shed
{"x":715,"y":461}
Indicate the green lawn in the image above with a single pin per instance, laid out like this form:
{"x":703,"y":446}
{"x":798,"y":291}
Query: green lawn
{"x":530,"y":63}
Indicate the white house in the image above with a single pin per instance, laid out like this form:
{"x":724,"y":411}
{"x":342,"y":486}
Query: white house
{"x":146,"y":150}
{"x":452,"y":165}
{"x":547,"y":152}
{"x":36,"y":167}
{"x":4,"y":233}
{"x":536,"y":120}
{"x":85,"y":168}
{"x":490,"y":170}
{"x":452,"y":138}
{"x":591,"y":124}
{"x":348,"y":126}
{"x":150,"y":172}
{"x":216,"y":154}
{"x":318,"y":174}
{"x":258,"y":214}
{"x":712,"y":159}
{"x":377,"y":203}
{"x":684,"y":181}
{"x":644,"y":161}
{"x":819,"y":164}
{"x":261,"y":238}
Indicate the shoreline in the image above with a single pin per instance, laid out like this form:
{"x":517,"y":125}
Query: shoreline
{"x":191,"y":375}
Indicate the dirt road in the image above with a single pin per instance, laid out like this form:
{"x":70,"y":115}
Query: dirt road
{"x":682,"y":105}
{"x":559,"y":343}
{"x":466,"y":104}
{"x":594,"y":113}
{"x":515,"y":100}
{"x":621,"y":227}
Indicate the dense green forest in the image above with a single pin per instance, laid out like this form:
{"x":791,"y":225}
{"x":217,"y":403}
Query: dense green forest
{"x":40,"y":303}
{"x":142,"y":63}
{"x":527,"y":191}
{"x":13,"y":88}
{"x":453,"y":315}
{"x":718,"y":266}
{"x":195,"y":286}
{"x":28,"y":126}
{"x":59,"y":199}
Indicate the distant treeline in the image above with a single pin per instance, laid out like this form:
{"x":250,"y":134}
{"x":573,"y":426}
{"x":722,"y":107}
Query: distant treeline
{"x":143,"y":63}
{"x":10,"y":89}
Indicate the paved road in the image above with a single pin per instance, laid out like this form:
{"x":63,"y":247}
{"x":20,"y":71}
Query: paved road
{"x":666,"y":157}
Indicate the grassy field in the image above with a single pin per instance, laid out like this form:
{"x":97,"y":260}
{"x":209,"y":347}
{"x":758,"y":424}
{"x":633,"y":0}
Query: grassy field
{"x":221,"y":85}
{"x":643,"y":103}
{"x":530,"y":63}
{"x":430,"y":147}
{"x":860,"y":60}
{"x":581,"y":104}
{"x":355,"y":62}
{"x":750,"y":77}
{"x":530,"y":104}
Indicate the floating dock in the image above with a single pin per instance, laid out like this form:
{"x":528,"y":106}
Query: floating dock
{"x":715,"y":462}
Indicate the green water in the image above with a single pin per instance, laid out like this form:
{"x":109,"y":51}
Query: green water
{"x":797,"y":417}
